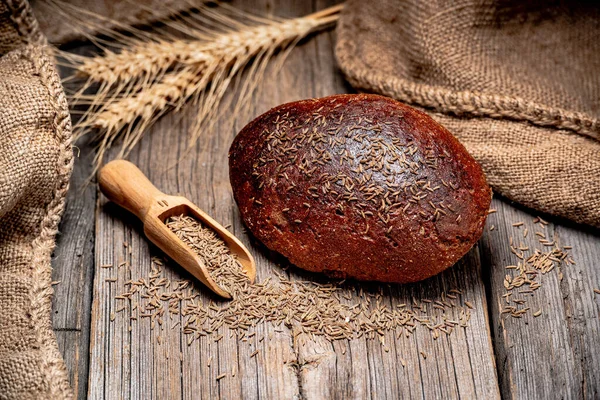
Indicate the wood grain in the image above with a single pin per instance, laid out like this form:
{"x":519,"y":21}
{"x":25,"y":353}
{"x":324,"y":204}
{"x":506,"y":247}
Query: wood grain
{"x":553,"y":355}
{"x":72,"y":269}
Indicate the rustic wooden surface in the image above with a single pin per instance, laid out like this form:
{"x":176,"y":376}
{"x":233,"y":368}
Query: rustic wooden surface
{"x":555,"y":355}
{"x":73,"y":269}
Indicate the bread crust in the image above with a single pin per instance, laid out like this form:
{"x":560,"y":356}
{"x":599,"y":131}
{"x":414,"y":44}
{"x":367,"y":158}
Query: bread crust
{"x":358,"y":186}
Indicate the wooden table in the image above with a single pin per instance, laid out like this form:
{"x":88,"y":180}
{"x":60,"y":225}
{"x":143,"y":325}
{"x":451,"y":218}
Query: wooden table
{"x":554,"y":355}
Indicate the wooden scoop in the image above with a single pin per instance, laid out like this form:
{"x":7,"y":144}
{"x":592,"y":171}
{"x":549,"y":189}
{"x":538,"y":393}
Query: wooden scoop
{"x":123,"y":183}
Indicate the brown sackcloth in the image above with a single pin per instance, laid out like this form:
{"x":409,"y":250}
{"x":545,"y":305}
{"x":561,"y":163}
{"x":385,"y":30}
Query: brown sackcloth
{"x":35,"y":165}
{"x":518,"y":82}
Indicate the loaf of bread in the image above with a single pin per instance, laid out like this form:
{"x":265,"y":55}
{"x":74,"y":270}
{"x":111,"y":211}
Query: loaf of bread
{"x":358,"y":186}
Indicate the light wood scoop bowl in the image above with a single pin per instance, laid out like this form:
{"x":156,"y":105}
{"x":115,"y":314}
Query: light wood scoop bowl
{"x":124,"y":184}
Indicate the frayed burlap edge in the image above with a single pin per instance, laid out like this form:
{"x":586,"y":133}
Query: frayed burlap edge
{"x":40,"y":295}
{"x":52,"y":363}
{"x":458,"y":103}
{"x":25,"y":23}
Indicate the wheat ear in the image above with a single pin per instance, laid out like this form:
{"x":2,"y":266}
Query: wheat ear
{"x":231,"y":51}
{"x":151,"y":76}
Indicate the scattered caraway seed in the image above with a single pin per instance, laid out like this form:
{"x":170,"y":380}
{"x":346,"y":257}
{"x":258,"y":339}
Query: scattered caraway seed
{"x":221,"y":376}
{"x":311,"y":307}
{"x":540,"y":220}
{"x":531,"y":264}
{"x":335,"y":311}
{"x":597,"y":291}
{"x":331,"y":310}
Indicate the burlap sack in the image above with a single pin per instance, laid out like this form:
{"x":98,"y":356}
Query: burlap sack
{"x":35,"y":165}
{"x":518,"y":82}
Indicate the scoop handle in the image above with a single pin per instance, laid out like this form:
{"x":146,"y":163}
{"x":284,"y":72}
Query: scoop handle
{"x":124,"y":184}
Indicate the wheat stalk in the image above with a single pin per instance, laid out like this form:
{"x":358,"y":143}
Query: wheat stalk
{"x":152,"y":75}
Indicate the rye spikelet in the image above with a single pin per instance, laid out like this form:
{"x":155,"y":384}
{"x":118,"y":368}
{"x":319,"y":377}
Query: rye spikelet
{"x":152,"y":74}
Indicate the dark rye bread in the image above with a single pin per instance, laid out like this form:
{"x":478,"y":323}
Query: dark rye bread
{"x":358,"y":186}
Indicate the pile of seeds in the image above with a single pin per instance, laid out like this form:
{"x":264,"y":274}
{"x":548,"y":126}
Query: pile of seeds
{"x":223,"y":267}
{"x":334,"y":311}
{"x":531,"y":264}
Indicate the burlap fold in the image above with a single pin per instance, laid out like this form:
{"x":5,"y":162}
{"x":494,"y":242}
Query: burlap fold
{"x":517,"y":82}
{"x":35,"y":165}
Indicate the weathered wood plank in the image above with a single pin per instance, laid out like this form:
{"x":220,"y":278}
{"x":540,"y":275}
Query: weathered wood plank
{"x":459,"y":365}
{"x":132,"y":365}
{"x":73,"y":265}
{"x":73,"y":346}
{"x":552,"y":355}
{"x":173,"y":369}
{"x":582,"y":304}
